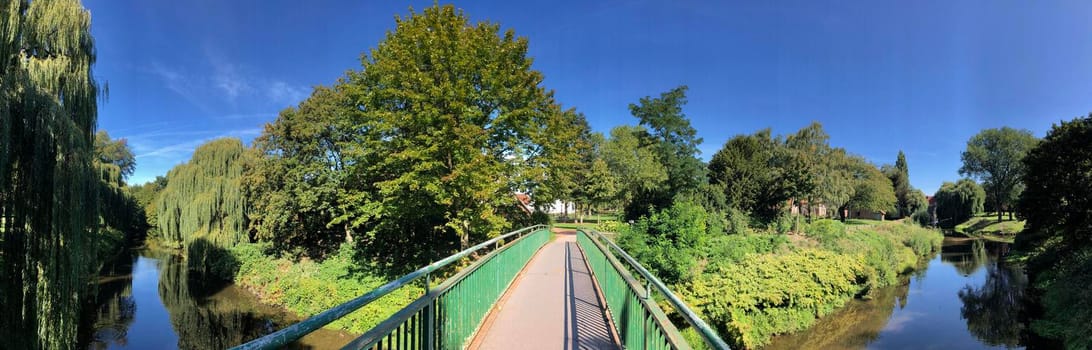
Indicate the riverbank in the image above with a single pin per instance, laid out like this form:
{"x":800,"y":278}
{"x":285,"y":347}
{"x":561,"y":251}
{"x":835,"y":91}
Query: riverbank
{"x":986,"y":225}
{"x":307,"y":287}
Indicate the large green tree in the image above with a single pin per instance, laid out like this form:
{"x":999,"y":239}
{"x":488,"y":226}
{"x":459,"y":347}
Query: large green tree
{"x":959,"y":201}
{"x":675,"y":142}
{"x":636,"y":166}
{"x":747,"y":168}
{"x":994,"y":156}
{"x":1057,"y":204}
{"x":294,"y":183}
{"x":48,"y":214}
{"x":448,"y":120}
{"x":203,"y":208}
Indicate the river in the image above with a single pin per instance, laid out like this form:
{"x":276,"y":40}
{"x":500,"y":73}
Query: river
{"x":147,"y":300}
{"x":965,"y":299}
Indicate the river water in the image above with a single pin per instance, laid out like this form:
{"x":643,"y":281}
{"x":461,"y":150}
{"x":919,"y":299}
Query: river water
{"x":147,"y":300}
{"x":964,"y":299}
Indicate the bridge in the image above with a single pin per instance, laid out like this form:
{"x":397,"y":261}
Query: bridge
{"x":534,"y":288}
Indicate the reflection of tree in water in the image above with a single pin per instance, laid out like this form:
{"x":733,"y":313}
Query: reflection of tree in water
{"x":855,"y":326}
{"x":966,"y":258}
{"x":992,"y":310}
{"x":109,"y":318}
{"x":203,"y":319}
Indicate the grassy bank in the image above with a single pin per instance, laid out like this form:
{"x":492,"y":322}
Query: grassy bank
{"x":987,"y":225}
{"x":307,"y":287}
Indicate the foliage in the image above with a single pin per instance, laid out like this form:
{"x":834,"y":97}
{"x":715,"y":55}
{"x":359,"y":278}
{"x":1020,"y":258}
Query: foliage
{"x":900,"y":181}
{"x":753,"y":299}
{"x":307,"y":287}
{"x":747,"y":168}
{"x":871,"y":189}
{"x":115,"y":152}
{"x":449,"y":119}
{"x":203,"y":200}
{"x":922,"y":217}
{"x":675,"y":142}
{"x":668,"y":241}
{"x":994,"y":157}
{"x":636,"y":167}
{"x":293,"y":185}
{"x":611,"y":226}
{"x":957,"y":202}
{"x":727,"y":249}
{"x":48,"y":113}
{"x":1058,"y":236}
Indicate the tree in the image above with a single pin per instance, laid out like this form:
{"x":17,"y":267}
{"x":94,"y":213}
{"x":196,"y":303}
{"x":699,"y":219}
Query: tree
{"x":600,"y":186}
{"x":900,"y":180}
{"x":994,"y":157}
{"x":293,"y":185}
{"x":747,"y":168}
{"x":48,"y":208}
{"x":449,"y":117}
{"x":636,"y":167}
{"x":675,"y":142}
{"x":116,"y":152}
{"x":957,"y":202}
{"x":872,"y":190}
{"x":1057,"y":204}
{"x":203,"y":206}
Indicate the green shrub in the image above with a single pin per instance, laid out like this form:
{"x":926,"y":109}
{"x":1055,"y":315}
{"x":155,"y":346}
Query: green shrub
{"x":669,"y":241}
{"x":734,"y":248}
{"x":611,"y":226}
{"x":737,"y":222}
{"x":1067,"y":301}
{"x":756,"y":298}
{"x":922,"y":217}
{"x":826,"y":229}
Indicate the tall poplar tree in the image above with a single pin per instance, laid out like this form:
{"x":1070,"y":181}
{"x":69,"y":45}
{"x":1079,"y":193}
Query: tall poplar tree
{"x":48,"y":104}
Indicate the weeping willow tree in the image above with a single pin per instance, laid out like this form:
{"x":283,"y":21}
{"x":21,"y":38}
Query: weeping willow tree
{"x":203,"y":206}
{"x":48,"y":104}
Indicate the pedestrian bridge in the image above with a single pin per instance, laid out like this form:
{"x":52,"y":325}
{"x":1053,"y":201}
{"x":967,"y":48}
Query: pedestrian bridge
{"x":534,"y":288}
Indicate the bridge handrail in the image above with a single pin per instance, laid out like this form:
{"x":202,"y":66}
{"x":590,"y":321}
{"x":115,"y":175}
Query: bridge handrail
{"x":291,"y":333}
{"x":708,"y":334}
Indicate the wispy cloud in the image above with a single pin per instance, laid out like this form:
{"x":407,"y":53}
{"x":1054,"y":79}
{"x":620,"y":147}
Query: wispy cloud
{"x":284,"y":93}
{"x":180,"y":149}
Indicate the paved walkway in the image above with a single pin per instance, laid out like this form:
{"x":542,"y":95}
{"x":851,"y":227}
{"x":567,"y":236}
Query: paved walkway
{"x":553,"y":304}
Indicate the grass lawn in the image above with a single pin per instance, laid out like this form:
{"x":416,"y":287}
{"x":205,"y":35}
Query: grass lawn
{"x":986,"y":224}
{"x":589,"y":221}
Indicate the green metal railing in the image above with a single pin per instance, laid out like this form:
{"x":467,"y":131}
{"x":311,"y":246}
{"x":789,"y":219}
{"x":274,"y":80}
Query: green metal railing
{"x":641,"y":324}
{"x":444,"y":317}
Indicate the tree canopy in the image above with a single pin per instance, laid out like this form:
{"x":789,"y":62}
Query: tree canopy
{"x":959,"y":201}
{"x":994,"y":157}
{"x":48,"y":209}
{"x":203,"y":204}
{"x":449,"y":120}
{"x":115,"y":152}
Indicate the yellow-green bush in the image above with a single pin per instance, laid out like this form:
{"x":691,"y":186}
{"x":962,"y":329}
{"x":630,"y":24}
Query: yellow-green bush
{"x":756,"y":298}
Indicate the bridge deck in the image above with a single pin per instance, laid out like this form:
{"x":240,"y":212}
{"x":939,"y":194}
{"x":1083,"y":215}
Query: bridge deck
{"x":553,"y":304}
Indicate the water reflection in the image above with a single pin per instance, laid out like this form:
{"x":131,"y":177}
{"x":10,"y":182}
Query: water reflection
{"x":151,"y":300}
{"x":993,"y":309}
{"x":965,"y":299}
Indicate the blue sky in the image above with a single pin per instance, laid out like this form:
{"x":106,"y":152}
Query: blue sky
{"x":920,"y":76}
